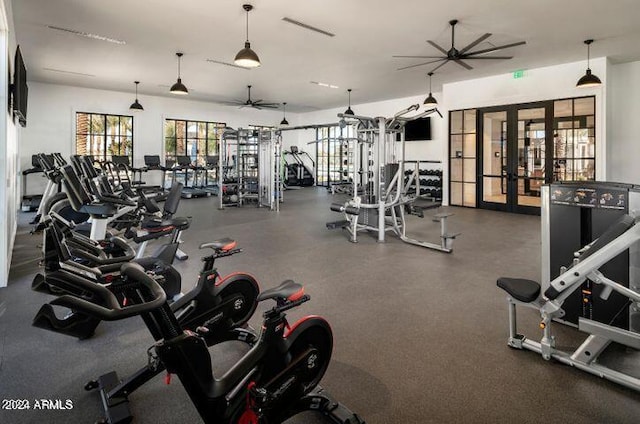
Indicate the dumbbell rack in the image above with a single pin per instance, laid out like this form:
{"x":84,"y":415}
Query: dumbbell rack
{"x":428,"y":184}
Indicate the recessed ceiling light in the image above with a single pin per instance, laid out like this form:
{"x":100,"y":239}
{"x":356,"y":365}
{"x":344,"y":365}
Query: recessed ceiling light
{"x":309,"y":27}
{"x":88,"y":35}
{"x":68,"y":72}
{"x":324,"y":84}
{"x":219,"y":62}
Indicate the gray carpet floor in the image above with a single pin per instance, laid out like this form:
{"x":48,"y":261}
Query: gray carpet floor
{"x":420,"y":336}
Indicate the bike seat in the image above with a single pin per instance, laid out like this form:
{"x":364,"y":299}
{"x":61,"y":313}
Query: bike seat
{"x":288,"y":290}
{"x":520,"y":289}
{"x":224,"y":244}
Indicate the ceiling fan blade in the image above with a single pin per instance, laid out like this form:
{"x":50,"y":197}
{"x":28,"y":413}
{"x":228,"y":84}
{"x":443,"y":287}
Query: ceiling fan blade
{"x":486,"y":57}
{"x":439,"y":66}
{"x":256,"y":101}
{"x":475,"y":43}
{"x":421,"y":64}
{"x":422,"y":57}
{"x":229,"y":103}
{"x":493,"y":49}
{"x":437,"y":46}
{"x":464,"y":65}
{"x":269,"y":105}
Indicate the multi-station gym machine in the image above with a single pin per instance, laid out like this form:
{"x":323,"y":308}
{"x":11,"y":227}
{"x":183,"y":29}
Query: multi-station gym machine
{"x":382,"y":194}
{"x":249,"y":168}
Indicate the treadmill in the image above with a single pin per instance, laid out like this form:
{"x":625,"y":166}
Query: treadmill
{"x":189,"y":191}
{"x":211,"y":181}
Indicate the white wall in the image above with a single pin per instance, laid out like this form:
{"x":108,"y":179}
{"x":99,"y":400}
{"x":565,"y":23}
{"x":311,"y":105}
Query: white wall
{"x":52,"y":108}
{"x":9,"y":153}
{"x":623,"y":146}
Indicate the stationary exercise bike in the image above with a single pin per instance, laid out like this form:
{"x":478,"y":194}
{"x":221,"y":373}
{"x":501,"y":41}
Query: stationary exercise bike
{"x":216,"y":302}
{"x":276,"y":379}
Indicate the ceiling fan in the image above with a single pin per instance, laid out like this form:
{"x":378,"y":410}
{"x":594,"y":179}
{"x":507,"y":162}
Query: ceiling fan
{"x":457,"y":56}
{"x":256,"y":104}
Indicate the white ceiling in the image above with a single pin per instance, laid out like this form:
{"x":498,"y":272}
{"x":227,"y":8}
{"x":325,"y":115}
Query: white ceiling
{"x":367,"y":34}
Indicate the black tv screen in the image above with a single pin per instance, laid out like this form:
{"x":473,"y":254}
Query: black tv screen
{"x":419,"y":129}
{"x":20,"y":89}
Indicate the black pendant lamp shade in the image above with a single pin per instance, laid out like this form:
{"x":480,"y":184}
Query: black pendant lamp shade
{"x":349,"y":111}
{"x":179,"y":87}
{"x":246,"y":57}
{"x":588,"y":79}
{"x":284,"y":121}
{"x":430,"y":101}
{"x":136,"y":105}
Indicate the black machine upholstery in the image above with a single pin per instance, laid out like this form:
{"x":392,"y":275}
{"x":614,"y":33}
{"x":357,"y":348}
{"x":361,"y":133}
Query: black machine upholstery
{"x":520,"y":289}
{"x":616,"y":230}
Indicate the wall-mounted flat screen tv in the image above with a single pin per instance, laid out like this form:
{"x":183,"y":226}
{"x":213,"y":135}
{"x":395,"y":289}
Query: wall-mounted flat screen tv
{"x":419,"y":129}
{"x":20,"y":89}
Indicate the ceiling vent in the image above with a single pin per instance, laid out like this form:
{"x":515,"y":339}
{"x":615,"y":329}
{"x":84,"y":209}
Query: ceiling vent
{"x":68,"y":72}
{"x":309,"y":27}
{"x":87,"y":35}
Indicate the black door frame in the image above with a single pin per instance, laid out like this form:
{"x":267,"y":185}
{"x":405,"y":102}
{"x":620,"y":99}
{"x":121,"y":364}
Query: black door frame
{"x":511,"y":204}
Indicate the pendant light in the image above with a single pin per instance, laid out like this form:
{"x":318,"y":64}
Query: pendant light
{"x":588,"y":79}
{"x":430,"y":102}
{"x":136,"y":105}
{"x":284,"y":121}
{"x":246,"y":57}
{"x":179,"y":87}
{"x":349,"y":111}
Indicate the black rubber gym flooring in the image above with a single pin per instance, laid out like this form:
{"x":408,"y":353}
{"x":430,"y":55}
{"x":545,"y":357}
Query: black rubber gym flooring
{"x":420,"y":336}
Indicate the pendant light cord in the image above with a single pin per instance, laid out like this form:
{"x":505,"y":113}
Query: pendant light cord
{"x":247,"y":26}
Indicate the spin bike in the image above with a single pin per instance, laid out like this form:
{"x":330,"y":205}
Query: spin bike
{"x":216,"y":302}
{"x":276,"y":379}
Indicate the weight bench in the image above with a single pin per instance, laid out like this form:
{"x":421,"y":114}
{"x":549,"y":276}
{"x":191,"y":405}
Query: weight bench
{"x":522,"y":292}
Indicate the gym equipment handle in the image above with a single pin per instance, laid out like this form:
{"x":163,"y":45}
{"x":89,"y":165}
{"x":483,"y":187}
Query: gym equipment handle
{"x":113,"y":311}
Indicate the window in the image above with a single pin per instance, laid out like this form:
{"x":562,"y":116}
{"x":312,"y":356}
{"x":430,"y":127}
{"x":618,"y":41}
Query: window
{"x":462,"y":157}
{"x":262,"y":128}
{"x":196,"y":139}
{"x":574,"y":141}
{"x":103,"y":136}
{"x":332,"y":155}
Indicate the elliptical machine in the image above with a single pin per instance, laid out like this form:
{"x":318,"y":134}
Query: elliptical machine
{"x":276,"y":379}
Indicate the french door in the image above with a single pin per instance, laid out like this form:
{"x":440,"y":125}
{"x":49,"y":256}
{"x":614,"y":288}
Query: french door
{"x":514,"y":162}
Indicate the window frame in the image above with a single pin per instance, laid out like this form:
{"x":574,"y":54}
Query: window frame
{"x":103,"y":154}
{"x":217,"y":128}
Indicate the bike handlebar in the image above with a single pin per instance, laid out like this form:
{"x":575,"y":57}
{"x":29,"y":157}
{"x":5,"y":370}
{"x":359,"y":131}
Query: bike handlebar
{"x":112,"y":310}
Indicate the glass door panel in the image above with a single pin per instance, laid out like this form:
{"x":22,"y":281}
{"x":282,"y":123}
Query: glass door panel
{"x":531,"y":155}
{"x":494,"y":155}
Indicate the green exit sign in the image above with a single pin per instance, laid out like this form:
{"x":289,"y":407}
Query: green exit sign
{"x":518,"y":74}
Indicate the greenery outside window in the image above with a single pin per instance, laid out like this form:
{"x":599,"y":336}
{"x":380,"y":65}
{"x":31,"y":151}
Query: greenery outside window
{"x":196,"y":139}
{"x":103,"y":136}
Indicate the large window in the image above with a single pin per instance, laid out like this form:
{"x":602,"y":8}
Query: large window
{"x":103,"y":136}
{"x":196,"y":139}
{"x":332,"y":155}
